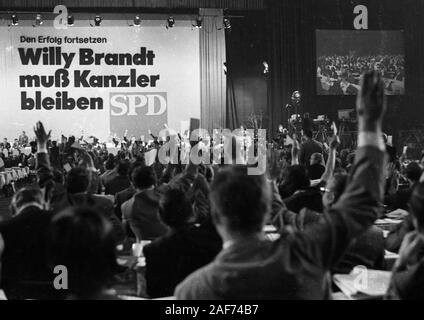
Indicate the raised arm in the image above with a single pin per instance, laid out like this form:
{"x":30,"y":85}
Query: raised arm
{"x":331,"y":161}
{"x":358,"y":207}
{"x":43,"y":167}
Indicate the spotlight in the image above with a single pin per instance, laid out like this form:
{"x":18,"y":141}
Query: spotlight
{"x":70,"y":20}
{"x":38,"y":20}
{"x":266,"y":67}
{"x":14,"y":19}
{"x":137,"y":21}
{"x":198,"y":23}
{"x":97,"y":20}
{"x":227,"y":23}
{"x":170,"y":22}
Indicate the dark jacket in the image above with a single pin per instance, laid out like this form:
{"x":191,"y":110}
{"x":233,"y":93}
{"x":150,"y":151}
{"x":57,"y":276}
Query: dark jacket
{"x":171,"y":258}
{"x":116,"y":184}
{"x":120,"y":198}
{"x":24,"y":272}
{"x":307,"y":149}
{"x":297,"y":265}
{"x":141,"y":213}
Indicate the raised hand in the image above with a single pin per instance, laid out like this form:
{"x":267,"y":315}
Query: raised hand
{"x":371,"y":102}
{"x":335,"y":142}
{"x":41,"y":135}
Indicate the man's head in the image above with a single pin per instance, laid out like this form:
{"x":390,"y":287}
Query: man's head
{"x":122,"y":167}
{"x":307,"y":134}
{"x":413,"y":173}
{"x":77,"y":180}
{"x":175,"y":208}
{"x":23,"y":132}
{"x":334,"y":189}
{"x":240,"y":202}
{"x":82,"y":240}
{"x":317,"y":158}
{"x":26,"y":197}
{"x":143,"y":177}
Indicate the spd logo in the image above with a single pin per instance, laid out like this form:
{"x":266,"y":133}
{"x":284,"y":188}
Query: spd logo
{"x":138,"y":112}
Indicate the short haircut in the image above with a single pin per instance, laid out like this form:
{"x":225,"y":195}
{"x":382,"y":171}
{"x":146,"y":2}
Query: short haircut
{"x":175,"y":208}
{"x":122,"y":167}
{"x":243,"y":200}
{"x":26,"y":195}
{"x":413,"y":171}
{"x":143,"y":177}
{"x":294,"y":178}
{"x":308,"y":133}
{"x":82,"y":240}
{"x":77,"y":180}
{"x":416,"y":204}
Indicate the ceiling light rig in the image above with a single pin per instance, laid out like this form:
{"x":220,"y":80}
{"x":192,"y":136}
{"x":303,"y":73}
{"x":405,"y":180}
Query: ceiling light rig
{"x":170,"y":22}
{"x":14,"y":21}
{"x":38,"y":20}
{"x":137,"y":21}
{"x":198,"y":22}
{"x":97,"y":20}
{"x":71,"y":20}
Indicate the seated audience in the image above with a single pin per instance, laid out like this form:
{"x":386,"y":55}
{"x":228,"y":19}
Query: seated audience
{"x":317,"y":166}
{"x":308,"y":148}
{"x":118,"y":182}
{"x":296,"y":265}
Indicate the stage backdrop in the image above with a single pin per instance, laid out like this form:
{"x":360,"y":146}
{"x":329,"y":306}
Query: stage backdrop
{"x":99,"y":80}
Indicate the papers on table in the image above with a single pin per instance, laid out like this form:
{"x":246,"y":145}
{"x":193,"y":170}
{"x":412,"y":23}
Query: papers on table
{"x":363,"y":283}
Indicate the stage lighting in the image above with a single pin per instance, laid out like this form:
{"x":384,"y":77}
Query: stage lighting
{"x":14,"y":19}
{"x":97,"y":20}
{"x":137,"y":21}
{"x":38,"y":20}
{"x":227,"y":23}
{"x":199,"y":21}
{"x":170,"y":22}
{"x":70,"y":20}
{"x":266,"y":67}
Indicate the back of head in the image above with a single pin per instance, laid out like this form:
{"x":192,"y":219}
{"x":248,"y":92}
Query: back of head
{"x":337,"y":184}
{"x":143,"y":177}
{"x":416,"y":205}
{"x":122,"y":167}
{"x":317,"y":158}
{"x":308,"y":133}
{"x":28,"y":196}
{"x":294,"y":178}
{"x":175,"y":209}
{"x":81,"y":239}
{"x":413,"y":172}
{"x":240,"y":201}
{"x":77,"y":180}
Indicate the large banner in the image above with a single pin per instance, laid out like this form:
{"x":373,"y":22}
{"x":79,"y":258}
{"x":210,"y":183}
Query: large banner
{"x":98,"y":81}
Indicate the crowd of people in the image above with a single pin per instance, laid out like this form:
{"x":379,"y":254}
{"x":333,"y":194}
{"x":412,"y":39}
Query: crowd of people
{"x":205,"y":222}
{"x":340,"y":75}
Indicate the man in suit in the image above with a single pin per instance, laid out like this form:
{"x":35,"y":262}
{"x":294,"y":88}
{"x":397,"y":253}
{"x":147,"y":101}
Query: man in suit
{"x":24,"y":272}
{"x":308,"y":148}
{"x":297,"y":265}
{"x":118,"y":182}
{"x":141,"y":211}
{"x":185,"y":248}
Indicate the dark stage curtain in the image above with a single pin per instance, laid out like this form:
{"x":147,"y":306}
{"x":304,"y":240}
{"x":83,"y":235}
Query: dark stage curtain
{"x":290,"y":57}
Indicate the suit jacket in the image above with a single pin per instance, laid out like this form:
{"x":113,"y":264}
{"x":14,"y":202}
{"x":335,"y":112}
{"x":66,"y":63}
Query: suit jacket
{"x":141,"y":213}
{"x":307,"y":149}
{"x":297,"y":265}
{"x":116,"y":184}
{"x":171,"y":258}
{"x":24,"y":268}
{"x":120,"y":198}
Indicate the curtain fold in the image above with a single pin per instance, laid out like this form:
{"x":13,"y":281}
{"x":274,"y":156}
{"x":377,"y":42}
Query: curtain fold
{"x":213,"y":79}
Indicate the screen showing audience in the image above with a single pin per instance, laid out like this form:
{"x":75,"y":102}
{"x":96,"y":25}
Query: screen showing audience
{"x":343,"y":55}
